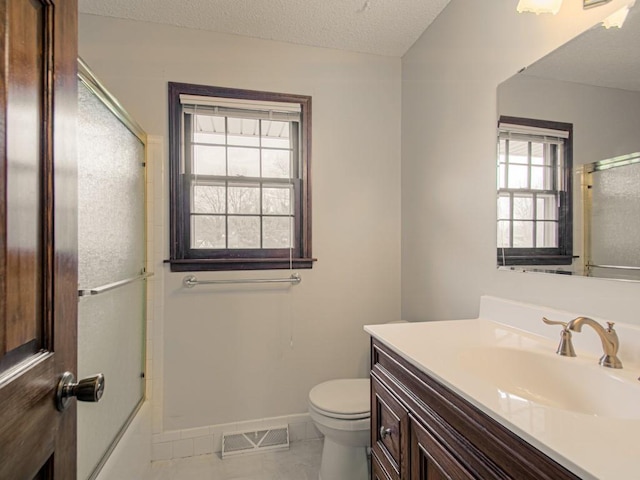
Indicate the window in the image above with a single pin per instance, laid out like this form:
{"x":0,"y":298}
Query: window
{"x":534,"y":192}
{"x":239,"y":173}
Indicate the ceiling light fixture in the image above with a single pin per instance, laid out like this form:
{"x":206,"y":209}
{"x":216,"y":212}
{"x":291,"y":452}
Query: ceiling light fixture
{"x":539,"y":6}
{"x":616,"y":20}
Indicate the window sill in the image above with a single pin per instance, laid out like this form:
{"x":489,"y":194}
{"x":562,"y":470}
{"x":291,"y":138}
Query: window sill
{"x":231,"y":264}
{"x":508,"y":260}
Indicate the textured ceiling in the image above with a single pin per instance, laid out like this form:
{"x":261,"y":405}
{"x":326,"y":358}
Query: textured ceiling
{"x":383,"y":27}
{"x":601,"y":57}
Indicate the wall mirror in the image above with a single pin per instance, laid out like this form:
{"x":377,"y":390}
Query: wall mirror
{"x":581,"y":150}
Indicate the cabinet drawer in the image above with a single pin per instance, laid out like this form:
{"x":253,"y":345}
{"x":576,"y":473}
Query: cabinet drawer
{"x":389,"y":429}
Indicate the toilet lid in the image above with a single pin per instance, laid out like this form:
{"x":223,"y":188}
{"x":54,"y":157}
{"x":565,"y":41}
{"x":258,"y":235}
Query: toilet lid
{"x":342,"y":397}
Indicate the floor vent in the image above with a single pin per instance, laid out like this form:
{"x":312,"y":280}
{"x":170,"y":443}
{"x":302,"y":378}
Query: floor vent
{"x":243,"y":443}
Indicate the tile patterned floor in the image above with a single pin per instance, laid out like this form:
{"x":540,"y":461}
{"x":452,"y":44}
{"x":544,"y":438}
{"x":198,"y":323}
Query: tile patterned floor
{"x":300,"y":462}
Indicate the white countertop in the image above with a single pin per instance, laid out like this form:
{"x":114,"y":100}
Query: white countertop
{"x":593,"y":446}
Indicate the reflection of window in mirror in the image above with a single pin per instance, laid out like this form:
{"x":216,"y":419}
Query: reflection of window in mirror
{"x":534,"y":192}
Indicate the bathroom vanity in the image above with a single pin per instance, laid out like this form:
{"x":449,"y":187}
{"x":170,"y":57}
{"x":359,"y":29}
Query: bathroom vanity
{"x":487,"y":398}
{"x":422,"y":430}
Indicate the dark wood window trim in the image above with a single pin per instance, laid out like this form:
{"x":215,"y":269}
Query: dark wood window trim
{"x":182,"y":257}
{"x":563,"y":255}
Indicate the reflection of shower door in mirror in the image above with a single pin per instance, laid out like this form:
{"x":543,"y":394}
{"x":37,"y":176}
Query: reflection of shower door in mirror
{"x":112,"y":257}
{"x":612,"y":207}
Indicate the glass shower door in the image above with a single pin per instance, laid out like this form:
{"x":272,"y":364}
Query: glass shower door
{"x":112,"y":258}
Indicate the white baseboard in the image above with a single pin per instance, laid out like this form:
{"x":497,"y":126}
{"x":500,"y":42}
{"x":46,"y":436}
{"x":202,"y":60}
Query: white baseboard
{"x":208,"y":439}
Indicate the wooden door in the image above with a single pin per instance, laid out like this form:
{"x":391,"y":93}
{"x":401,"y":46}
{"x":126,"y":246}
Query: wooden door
{"x":38,"y":254}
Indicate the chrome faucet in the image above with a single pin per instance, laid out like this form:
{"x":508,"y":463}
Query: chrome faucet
{"x":608,"y":337}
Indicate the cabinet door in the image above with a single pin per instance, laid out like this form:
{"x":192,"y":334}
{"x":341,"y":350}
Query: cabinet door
{"x":377,"y":471}
{"x":430,"y":460}
{"x":389,"y":430}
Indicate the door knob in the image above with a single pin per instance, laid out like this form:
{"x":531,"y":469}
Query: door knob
{"x":88,"y":389}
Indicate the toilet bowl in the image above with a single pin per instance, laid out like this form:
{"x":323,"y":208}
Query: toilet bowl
{"x":341,"y":410}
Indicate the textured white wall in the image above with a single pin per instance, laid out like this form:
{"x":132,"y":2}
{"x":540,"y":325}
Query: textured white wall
{"x":449,"y":80}
{"x":243,"y":353}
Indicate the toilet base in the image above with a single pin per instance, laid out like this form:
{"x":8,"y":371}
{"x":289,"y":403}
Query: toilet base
{"x":340,"y":462}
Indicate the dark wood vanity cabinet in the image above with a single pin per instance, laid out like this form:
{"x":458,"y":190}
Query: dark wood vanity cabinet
{"x":422,"y":430}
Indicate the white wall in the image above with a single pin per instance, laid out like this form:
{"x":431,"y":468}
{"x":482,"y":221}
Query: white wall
{"x":449,"y":80}
{"x":242,"y":353}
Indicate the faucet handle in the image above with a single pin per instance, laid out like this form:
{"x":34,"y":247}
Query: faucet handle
{"x":565,"y":347}
{"x":610,"y":326}
{"x":554,"y":322}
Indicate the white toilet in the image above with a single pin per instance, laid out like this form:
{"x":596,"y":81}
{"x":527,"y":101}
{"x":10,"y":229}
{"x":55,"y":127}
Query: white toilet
{"x":341,"y":410}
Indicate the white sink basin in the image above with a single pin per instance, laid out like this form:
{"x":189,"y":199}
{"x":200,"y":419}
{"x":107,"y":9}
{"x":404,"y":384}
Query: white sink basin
{"x":552,"y":381}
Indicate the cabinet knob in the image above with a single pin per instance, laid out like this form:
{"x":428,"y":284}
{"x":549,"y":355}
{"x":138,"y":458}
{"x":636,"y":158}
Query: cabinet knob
{"x":384,"y":432}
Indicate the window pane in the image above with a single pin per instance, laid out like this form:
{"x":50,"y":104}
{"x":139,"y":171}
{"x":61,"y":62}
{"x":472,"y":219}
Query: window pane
{"x":518,"y":176}
{"x":546,"y":207}
{"x":209,"y":129}
{"x":244,"y":132}
{"x":275,"y":134}
{"x":243,"y":140}
{"x":541,"y":178}
{"x":504,"y":229}
{"x":502,"y":159}
{"x":518,"y":152}
{"x":276,"y":201}
{"x":244,"y":232}
{"x":276,"y":163}
{"x":523,"y":207}
{"x":504,"y":207}
{"x":243,"y":199}
{"x":502,"y":148}
{"x":277,"y":232}
{"x":502,"y":175}
{"x":537,"y":154}
{"x":244,"y":162}
{"x":208,"y":160}
{"x":209,"y":199}
{"x":523,"y":234}
{"x":207,"y":231}
{"x":546,"y":234}
{"x":558,"y":156}
{"x":209,"y":138}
